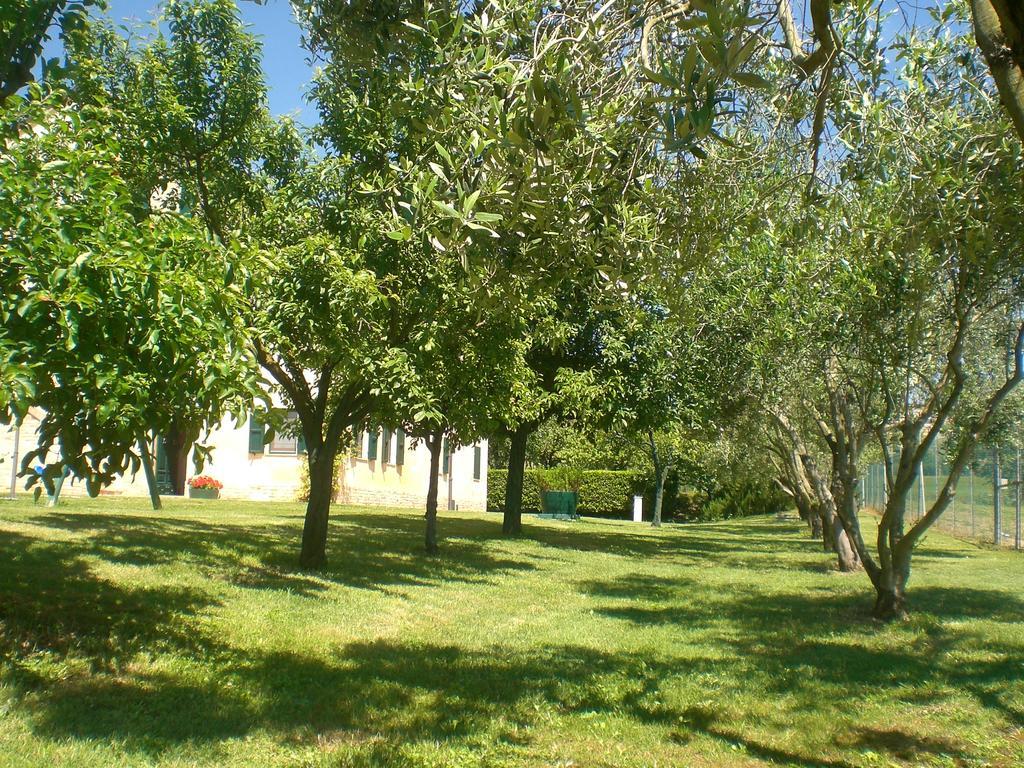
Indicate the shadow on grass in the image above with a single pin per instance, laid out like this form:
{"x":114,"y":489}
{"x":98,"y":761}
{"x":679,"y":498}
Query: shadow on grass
{"x":806,"y":647}
{"x":421,"y":694}
{"x":51,"y":601}
{"x":371,"y":551}
{"x":804,"y":643}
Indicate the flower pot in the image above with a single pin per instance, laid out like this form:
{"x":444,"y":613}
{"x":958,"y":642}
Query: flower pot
{"x":560,"y":503}
{"x":203,"y":493}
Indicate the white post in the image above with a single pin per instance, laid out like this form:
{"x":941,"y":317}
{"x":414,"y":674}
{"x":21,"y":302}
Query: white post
{"x":638,"y":509}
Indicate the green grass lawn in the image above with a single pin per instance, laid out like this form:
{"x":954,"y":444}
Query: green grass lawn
{"x":187,"y":638}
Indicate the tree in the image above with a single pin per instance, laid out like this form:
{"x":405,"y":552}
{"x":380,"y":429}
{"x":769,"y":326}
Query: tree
{"x":507,"y":130}
{"x":108,"y":319}
{"x":567,"y":371}
{"x":467,"y":364}
{"x":24,"y":28}
{"x":192,"y":127}
{"x":918,"y":264}
{"x":405,"y":200}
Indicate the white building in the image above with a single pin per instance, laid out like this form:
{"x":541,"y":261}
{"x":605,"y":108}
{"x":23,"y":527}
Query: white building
{"x":386,"y":468}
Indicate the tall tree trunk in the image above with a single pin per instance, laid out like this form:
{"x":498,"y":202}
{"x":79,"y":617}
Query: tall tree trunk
{"x":512,"y":523}
{"x":318,"y":508}
{"x":147,"y":469}
{"x":827,"y":523}
{"x":434,"y":443}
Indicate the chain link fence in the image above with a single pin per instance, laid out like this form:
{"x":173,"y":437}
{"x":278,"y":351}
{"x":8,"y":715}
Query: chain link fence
{"x":987,"y":504}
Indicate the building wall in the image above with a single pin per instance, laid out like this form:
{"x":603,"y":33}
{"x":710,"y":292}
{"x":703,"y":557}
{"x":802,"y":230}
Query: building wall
{"x":270,"y":476}
{"x":7,"y":452}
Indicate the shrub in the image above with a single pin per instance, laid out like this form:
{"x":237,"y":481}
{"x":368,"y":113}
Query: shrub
{"x":303,"y":492}
{"x":609,"y":493}
{"x":603,"y":493}
{"x":745,"y":498}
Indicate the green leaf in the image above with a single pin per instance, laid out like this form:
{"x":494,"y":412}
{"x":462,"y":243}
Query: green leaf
{"x":446,"y":208}
{"x":751,"y":80}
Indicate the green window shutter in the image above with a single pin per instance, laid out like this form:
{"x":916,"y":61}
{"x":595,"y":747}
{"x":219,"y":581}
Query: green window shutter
{"x":302,"y":443}
{"x":444,"y":456}
{"x":400,"y":447}
{"x":385,"y":448}
{"x":371,"y":446}
{"x":477,"y":455}
{"x":256,"y":434}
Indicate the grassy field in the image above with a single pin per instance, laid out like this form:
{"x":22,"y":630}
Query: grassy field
{"x":186,"y":638}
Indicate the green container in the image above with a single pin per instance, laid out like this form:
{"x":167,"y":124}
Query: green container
{"x":561,"y":503}
{"x":203,"y":493}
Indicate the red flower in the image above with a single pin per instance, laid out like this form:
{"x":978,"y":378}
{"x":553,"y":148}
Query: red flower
{"x":205,"y":481}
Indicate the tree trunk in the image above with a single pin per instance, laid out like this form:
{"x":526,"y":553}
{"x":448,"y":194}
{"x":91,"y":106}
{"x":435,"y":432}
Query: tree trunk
{"x":835,"y":538}
{"x":58,"y":484}
{"x":999,"y":31}
{"x":318,"y":508}
{"x":828,"y":541}
{"x":660,"y":471}
{"x":659,"y":495}
{"x":147,"y":469}
{"x":815,"y":523}
{"x":177,"y":443}
{"x":846,"y":555}
{"x":891,"y":588}
{"x":434,"y":443}
{"x":512,"y":523}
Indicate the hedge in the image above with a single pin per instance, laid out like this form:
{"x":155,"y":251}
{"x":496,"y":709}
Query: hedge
{"x":609,"y":493}
{"x":603,"y":493}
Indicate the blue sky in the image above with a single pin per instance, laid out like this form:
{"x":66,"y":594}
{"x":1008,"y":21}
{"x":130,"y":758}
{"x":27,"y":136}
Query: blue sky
{"x":284,"y":61}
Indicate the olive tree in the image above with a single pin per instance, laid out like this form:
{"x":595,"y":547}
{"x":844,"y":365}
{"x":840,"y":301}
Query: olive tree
{"x":918,"y":263}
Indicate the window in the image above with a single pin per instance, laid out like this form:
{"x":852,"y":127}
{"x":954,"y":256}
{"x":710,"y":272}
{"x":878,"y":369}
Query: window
{"x":288,"y":444}
{"x":385,"y":447}
{"x":477,"y":456}
{"x":371,"y":445}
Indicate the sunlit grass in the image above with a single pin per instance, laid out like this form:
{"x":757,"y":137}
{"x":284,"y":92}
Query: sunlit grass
{"x":187,"y":637}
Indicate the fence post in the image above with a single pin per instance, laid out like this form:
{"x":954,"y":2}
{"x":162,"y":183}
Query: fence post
{"x":885,"y":485}
{"x":952,"y":504}
{"x":970,"y":477}
{"x":1016,"y":504}
{"x":920,"y":489}
{"x":997,"y":512}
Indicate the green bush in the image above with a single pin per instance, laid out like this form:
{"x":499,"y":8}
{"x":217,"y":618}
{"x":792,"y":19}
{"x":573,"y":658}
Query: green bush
{"x":302,"y":494}
{"x":609,"y":493}
{"x":745,"y":498}
{"x":603,"y":493}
